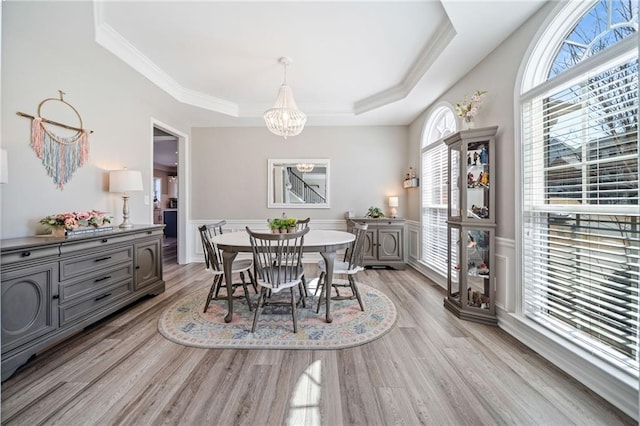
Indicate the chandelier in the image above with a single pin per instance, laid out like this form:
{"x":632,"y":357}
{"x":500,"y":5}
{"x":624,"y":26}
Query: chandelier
{"x":305,"y":167}
{"x":285,"y":119}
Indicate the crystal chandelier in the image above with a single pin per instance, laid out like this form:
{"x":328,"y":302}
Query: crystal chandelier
{"x":305,"y":167}
{"x":285,"y":119}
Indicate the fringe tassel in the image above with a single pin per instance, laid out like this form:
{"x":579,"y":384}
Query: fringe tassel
{"x":61,"y":157}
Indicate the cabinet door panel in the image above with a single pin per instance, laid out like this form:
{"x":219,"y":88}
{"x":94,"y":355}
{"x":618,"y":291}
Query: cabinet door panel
{"x":389,"y":244}
{"x":370,"y":248}
{"x":148,"y":264}
{"x":28,"y":304}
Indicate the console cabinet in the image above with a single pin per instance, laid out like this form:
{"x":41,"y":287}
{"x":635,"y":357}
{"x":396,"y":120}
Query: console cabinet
{"x":384,"y":243}
{"x":54,"y":287}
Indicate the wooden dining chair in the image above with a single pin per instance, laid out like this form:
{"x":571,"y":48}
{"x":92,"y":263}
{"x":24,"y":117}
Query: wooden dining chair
{"x":277,"y":258}
{"x":350,"y":266}
{"x":302,"y":223}
{"x":213,"y":262}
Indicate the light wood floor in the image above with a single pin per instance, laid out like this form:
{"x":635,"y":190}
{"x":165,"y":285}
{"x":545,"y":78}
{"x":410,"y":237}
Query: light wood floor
{"x":430,"y":369}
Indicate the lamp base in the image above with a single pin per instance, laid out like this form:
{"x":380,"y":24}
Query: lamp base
{"x":393,"y":213}
{"x":125,"y":213}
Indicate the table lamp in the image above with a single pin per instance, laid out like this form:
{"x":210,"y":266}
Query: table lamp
{"x":393,"y":203}
{"x":125,"y":181}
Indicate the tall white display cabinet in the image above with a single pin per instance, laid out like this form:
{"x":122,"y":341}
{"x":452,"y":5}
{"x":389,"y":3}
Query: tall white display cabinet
{"x":471,"y":225}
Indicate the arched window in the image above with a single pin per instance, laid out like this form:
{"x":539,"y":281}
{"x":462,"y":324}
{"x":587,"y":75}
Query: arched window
{"x":580,"y":234}
{"x":440,"y":123}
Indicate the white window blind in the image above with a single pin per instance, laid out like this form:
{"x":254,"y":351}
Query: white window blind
{"x":581,"y":212}
{"x":434,"y":208}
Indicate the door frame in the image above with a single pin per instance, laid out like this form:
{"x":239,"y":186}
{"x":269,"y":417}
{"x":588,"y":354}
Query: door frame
{"x":184,"y":147}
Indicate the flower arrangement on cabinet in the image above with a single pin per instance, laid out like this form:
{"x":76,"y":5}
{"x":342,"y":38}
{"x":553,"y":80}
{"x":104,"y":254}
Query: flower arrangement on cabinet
{"x":467,"y":109}
{"x":74,"y":220}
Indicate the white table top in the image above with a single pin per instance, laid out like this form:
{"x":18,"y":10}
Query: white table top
{"x":314,"y":240}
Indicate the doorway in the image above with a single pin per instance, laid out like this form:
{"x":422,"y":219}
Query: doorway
{"x":165,"y":190}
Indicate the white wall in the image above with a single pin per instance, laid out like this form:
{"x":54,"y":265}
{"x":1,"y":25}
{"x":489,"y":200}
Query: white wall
{"x":48,"y":46}
{"x":229,"y":169}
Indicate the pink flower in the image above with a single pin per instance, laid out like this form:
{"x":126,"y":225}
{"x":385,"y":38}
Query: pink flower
{"x":83,"y":215}
{"x":70,"y":223}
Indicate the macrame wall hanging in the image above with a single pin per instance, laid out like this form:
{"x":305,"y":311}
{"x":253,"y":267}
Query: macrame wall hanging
{"x":61,"y":156}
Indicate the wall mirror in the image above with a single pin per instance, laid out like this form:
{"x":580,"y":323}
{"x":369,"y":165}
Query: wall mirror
{"x":298,"y":183}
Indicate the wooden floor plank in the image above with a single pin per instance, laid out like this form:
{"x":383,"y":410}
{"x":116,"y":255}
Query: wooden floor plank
{"x":431,"y":368}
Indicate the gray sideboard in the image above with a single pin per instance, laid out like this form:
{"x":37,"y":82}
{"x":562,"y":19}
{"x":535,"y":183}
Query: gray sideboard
{"x":54,"y":287}
{"x":384,"y":243}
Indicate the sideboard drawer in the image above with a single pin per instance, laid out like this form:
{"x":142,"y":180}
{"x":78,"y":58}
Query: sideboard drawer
{"x":29,"y":254}
{"x":108,"y":295}
{"x":103,"y":242}
{"x":77,"y":266}
{"x":94,"y":283}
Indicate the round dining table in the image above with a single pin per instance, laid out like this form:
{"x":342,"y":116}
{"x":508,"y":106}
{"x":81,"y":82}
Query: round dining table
{"x":325,"y":242}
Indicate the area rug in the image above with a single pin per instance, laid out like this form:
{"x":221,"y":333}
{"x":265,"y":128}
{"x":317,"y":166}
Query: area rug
{"x":186,"y":324}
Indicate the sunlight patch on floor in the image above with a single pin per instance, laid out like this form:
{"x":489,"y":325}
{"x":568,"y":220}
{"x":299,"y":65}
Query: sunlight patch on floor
{"x":305,"y":403}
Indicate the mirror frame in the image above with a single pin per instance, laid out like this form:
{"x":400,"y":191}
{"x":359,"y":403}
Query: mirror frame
{"x":324,"y":162}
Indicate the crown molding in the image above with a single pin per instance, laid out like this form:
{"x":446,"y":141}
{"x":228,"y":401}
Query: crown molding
{"x":444,"y":34}
{"x":107,"y":37}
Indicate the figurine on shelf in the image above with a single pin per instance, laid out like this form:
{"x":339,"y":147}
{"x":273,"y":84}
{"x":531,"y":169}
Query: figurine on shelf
{"x":475,"y":158}
{"x":480,"y":177}
{"x":483,"y":269}
{"x":480,"y":212}
{"x":470,"y":180}
{"x":412,"y":173}
{"x":469,"y":159}
{"x":484,"y":179}
{"x":483,"y":155}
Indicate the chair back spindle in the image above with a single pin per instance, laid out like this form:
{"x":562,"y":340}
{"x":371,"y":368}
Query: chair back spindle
{"x":354,"y":255}
{"x":277,"y":256}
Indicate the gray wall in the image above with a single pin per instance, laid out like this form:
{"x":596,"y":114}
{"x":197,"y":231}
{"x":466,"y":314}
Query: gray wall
{"x":49,"y":46}
{"x":229,"y":169}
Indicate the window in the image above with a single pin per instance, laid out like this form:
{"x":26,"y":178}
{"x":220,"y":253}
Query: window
{"x":434,"y":189}
{"x":580,"y":205}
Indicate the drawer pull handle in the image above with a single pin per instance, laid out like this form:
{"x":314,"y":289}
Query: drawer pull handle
{"x":104,"y":240}
{"x":149,"y":232}
{"x":26,"y":253}
{"x":103,"y":258}
{"x":56,"y":296}
{"x":104,"y":296}
{"x":102,"y":279}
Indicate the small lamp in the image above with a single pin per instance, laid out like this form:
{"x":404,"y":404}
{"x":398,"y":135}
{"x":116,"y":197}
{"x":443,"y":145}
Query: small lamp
{"x":125,"y":181}
{"x":4,"y":167}
{"x":393,"y":203}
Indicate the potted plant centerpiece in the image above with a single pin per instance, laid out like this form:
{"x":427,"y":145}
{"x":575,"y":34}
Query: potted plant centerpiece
{"x":375,"y":212}
{"x":283,"y":225}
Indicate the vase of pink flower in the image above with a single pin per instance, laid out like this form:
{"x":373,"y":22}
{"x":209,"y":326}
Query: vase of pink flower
{"x":62,"y":222}
{"x":468,"y":108}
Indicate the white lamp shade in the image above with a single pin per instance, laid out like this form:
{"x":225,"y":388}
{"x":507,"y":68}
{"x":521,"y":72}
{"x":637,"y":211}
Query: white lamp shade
{"x":4,"y":167}
{"x":393,"y":201}
{"x":125,"y":180}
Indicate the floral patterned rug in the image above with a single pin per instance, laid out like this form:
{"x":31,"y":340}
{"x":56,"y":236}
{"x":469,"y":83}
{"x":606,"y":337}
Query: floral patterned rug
{"x":186,"y":324}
